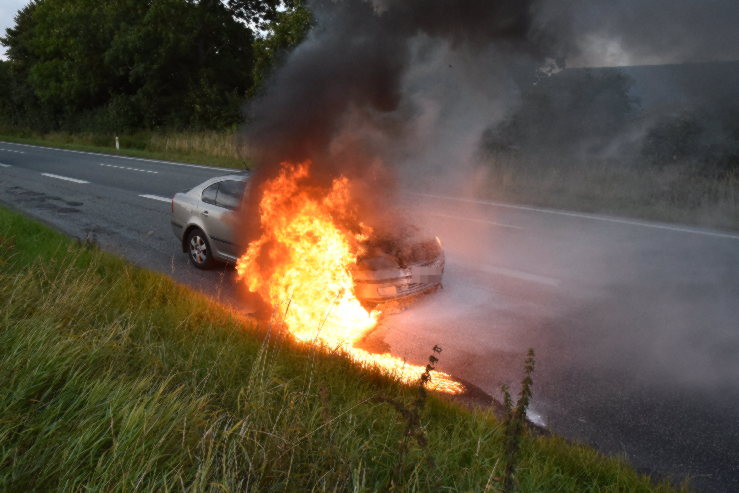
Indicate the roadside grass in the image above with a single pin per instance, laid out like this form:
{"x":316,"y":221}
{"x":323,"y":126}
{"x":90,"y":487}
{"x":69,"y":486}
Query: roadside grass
{"x":206,"y":148}
{"x":115,"y":378}
{"x":676,"y":194}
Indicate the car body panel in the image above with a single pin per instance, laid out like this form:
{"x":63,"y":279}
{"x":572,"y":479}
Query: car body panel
{"x":376,"y":286}
{"x":189,"y":211}
{"x":215,"y":222}
{"x":377,"y":278}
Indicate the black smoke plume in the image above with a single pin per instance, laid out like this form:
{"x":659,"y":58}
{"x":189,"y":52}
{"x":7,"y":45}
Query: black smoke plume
{"x":349,"y":72}
{"x":350,"y":98}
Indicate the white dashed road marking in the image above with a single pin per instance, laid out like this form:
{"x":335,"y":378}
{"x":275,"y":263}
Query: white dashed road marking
{"x":65,"y":178}
{"x":3,"y":165}
{"x":127,"y":168}
{"x":156,"y":197}
{"x":10,"y":150}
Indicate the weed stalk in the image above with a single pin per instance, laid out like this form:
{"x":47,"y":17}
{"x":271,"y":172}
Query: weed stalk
{"x":515,"y":422}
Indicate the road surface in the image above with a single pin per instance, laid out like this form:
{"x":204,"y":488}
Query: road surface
{"x":635,"y":324}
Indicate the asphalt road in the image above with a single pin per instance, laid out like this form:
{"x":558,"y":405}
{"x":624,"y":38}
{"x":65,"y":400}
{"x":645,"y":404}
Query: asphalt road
{"x":635,"y":324}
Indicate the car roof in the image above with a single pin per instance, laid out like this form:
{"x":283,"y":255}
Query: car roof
{"x":237,"y":177}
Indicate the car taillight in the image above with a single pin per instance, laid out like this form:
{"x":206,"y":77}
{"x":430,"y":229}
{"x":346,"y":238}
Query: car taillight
{"x":172,"y":205}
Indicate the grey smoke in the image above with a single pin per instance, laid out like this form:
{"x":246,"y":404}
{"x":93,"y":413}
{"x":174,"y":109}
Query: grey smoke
{"x":421,"y":87}
{"x":382,"y":90}
{"x":392,"y":81}
{"x":417,"y":86}
{"x":634,"y":32}
{"x":351,"y":71}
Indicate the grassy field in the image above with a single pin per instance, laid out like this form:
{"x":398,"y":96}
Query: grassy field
{"x":115,"y":378}
{"x":209,"y":148}
{"x":672,"y":194}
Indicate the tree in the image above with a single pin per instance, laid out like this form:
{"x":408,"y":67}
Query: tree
{"x":57,"y":48}
{"x":131,"y":64}
{"x":259,"y":13}
{"x":6,"y":88}
{"x":187,"y":64}
{"x":288,"y":28}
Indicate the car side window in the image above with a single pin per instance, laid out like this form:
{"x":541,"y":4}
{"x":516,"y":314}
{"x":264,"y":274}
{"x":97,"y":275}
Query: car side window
{"x":230,"y":193}
{"x":210,"y":193}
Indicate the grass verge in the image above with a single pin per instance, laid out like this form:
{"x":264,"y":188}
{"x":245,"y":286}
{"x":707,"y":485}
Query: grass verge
{"x":206,"y":148}
{"x":675,"y":194}
{"x":116,"y":378}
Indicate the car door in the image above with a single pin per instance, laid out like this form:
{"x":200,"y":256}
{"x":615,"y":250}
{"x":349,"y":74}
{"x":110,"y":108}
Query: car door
{"x":216,"y":221}
{"x":230,"y":195}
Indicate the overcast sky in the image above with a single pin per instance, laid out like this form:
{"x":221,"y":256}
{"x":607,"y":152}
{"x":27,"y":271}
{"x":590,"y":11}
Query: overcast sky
{"x":8,"y":8}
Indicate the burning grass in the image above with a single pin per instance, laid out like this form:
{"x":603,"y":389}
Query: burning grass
{"x":115,"y":378}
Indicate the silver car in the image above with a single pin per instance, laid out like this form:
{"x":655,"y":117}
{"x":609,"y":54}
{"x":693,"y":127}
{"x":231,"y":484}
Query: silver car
{"x":202,"y":220}
{"x":203,"y":223}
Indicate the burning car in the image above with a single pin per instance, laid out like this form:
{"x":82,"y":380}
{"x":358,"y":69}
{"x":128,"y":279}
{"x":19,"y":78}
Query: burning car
{"x":392,"y":265}
{"x":399,"y":265}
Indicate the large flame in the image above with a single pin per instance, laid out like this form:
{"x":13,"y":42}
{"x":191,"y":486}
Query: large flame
{"x":301,"y":265}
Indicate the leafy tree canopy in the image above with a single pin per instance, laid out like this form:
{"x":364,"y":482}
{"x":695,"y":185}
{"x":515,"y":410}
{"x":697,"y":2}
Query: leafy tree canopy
{"x":124,"y":64}
{"x":288,"y":28}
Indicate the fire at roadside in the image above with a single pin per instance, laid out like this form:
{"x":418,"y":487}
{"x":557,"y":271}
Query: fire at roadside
{"x":321,"y":219}
{"x":302,"y":264}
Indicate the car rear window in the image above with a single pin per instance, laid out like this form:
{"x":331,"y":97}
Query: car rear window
{"x":209,"y":194}
{"x":230,"y":193}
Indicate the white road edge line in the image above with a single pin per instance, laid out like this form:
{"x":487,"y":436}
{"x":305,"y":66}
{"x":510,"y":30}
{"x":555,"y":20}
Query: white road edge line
{"x":11,"y":150}
{"x":472,"y":220}
{"x":155,"y":197}
{"x":581,"y":215}
{"x":3,"y":165}
{"x":65,"y":178}
{"x":115,"y":156}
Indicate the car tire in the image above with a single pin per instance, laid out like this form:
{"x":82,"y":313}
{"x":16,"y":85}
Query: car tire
{"x":198,"y":249}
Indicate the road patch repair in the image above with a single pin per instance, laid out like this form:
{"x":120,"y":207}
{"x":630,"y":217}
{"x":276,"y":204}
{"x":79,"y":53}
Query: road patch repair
{"x":43,"y":201}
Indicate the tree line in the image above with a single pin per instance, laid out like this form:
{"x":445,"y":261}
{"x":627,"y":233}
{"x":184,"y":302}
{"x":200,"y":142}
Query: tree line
{"x":124,"y":65}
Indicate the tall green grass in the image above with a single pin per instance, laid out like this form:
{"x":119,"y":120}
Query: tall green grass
{"x":114,"y":378}
{"x":673,"y":194}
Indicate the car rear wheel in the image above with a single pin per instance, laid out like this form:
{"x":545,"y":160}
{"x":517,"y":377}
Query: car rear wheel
{"x":198,"y":249}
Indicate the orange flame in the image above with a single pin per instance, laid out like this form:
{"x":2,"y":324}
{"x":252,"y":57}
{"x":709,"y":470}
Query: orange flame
{"x":301,"y":266}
